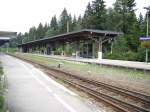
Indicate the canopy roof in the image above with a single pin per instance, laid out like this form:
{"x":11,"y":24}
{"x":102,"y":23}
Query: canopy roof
{"x":78,"y":35}
{"x":5,"y":36}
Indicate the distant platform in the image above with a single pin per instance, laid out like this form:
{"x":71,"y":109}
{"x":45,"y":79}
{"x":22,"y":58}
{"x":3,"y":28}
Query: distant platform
{"x":116,"y":63}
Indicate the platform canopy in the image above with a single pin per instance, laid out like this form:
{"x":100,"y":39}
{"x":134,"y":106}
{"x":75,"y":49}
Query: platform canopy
{"x":5,"y":36}
{"x":84,"y":34}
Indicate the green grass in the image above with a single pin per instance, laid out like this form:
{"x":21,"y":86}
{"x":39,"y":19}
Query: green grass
{"x":2,"y":108}
{"x":89,"y":68}
{"x":12,"y":50}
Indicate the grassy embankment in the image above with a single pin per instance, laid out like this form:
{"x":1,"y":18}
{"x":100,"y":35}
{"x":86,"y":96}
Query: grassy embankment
{"x":2,"y":109}
{"x":88,"y":68}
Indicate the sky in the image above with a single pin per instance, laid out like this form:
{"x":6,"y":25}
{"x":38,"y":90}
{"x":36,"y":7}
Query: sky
{"x":20,"y":15}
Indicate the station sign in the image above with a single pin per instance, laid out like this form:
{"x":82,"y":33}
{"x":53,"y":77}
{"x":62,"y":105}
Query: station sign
{"x":145,"y":42}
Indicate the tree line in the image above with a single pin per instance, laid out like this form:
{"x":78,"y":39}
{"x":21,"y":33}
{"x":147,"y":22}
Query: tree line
{"x":121,"y":18}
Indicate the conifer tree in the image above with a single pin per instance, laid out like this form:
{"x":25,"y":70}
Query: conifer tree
{"x":99,"y":14}
{"x":53,"y":23}
{"x":40,"y":33}
{"x":63,"y":21}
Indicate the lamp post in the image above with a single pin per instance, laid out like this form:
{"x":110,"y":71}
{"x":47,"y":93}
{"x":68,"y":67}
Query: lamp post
{"x":147,"y":8}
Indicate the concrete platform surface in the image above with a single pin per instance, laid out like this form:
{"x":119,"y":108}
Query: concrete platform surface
{"x":119,"y":63}
{"x":30,"y":90}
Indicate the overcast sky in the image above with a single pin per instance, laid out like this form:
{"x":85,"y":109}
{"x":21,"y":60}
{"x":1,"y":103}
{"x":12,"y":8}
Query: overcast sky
{"x":20,"y":15}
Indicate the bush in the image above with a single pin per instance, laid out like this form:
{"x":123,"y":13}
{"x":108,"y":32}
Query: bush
{"x":122,"y":51}
{"x":129,"y":56}
{"x":58,"y":51}
{"x":69,"y":49}
{"x":1,"y":103}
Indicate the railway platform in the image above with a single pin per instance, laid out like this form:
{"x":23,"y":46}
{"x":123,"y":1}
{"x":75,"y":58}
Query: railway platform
{"x":28,"y":89}
{"x":107,"y":62}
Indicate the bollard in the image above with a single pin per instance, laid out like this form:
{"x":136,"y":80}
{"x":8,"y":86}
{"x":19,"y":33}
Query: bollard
{"x":59,"y":65}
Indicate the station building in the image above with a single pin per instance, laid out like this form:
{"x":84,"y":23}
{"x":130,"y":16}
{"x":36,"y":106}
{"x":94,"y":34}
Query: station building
{"x":85,"y":43}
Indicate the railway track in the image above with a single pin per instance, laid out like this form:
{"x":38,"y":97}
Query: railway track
{"x":111,"y":95}
{"x":94,"y":90}
{"x":133,"y":94}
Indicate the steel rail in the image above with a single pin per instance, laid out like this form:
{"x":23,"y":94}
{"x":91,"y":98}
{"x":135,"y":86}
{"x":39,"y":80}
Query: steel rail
{"x":111,"y":100}
{"x":133,"y":94}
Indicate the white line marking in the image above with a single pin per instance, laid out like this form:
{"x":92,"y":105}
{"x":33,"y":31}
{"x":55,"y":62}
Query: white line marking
{"x":64,"y":103}
{"x":55,"y":83}
{"x":56,"y":96}
{"x":48,"y":79}
{"x":42,"y":83}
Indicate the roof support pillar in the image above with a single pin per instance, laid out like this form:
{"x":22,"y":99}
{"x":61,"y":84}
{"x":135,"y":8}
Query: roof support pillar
{"x":63,"y":49}
{"x":48,"y":49}
{"x":100,"y":53}
{"x":93,"y":49}
{"x":52,"y":49}
{"x":77,"y":49}
{"x":20,"y":49}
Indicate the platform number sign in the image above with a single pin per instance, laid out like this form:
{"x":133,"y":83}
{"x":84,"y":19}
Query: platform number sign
{"x":145,"y":42}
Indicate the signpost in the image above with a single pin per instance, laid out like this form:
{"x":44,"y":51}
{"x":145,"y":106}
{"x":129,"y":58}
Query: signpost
{"x":146,"y":40}
{"x":145,"y":43}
